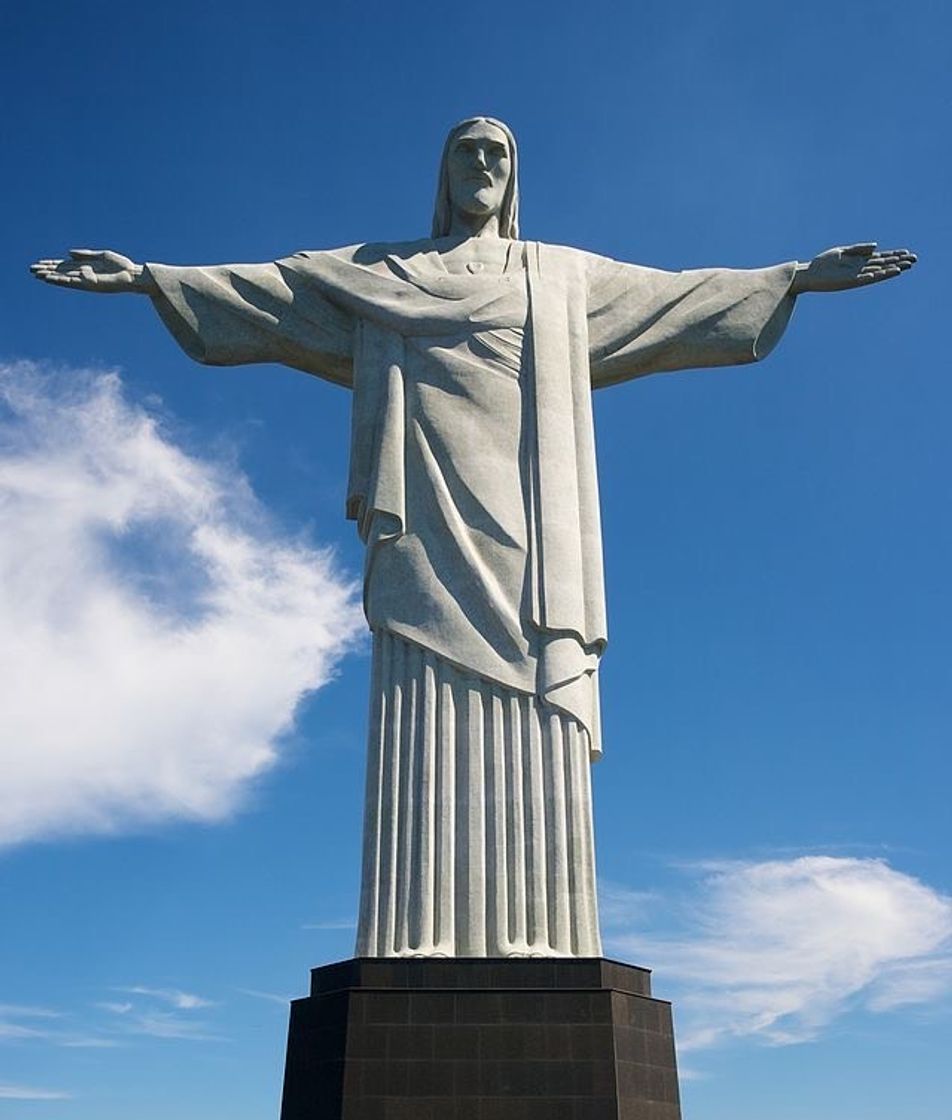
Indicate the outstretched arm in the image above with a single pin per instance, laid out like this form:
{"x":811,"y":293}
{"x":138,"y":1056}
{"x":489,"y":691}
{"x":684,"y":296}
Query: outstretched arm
{"x":643,"y":320}
{"x":225,"y":315}
{"x":850,"y":266}
{"x":95,"y":270}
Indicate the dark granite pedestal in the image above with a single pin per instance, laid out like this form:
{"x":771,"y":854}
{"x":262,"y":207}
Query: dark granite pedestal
{"x":468,"y":1039}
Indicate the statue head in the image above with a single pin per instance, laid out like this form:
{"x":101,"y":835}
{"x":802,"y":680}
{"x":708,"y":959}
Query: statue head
{"x":478,"y":176}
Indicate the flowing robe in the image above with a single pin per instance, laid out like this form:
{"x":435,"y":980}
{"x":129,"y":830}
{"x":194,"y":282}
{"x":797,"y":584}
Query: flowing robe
{"x":473,"y":485}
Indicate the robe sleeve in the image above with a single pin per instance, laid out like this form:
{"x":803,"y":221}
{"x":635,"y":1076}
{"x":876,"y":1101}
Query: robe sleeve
{"x":644,"y":320}
{"x":233,"y":314}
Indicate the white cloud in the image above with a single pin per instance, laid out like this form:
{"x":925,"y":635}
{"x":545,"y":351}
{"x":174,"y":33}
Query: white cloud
{"x":156,"y":632}
{"x":27,"y":1093}
{"x":183,"y":1001}
{"x":166,"y":1013}
{"x":332,"y":924}
{"x":89,"y":1042}
{"x":10,"y":1031}
{"x":909,"y":982}
{"x":269,"y":997}
{"x":146,"y":1016}
{"x":51,"y":1032}
{"x":621,"y":907}
{"x":28,"y":1011}
{"x":166,"y":1024}
{"x":777,"y":950}
{"x":115,"y":1007}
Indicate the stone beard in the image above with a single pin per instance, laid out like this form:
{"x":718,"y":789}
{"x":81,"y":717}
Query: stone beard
{"x":473,"y":485}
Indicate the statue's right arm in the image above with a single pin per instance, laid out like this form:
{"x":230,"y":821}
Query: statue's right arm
{"x":227,"y":315}
{"x":95,"y":270}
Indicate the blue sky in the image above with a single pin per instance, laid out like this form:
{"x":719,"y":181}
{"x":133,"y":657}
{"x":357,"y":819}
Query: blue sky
{"x":180,"y":816}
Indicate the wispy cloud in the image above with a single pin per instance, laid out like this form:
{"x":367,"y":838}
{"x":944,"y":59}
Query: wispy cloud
{"x":183,"y":1001}
{"x":115,"y":1006}
{"x":10,"y":1030}
{"x":157,"y":1012}
{"x":28,"y":1011}
{"x":90,"y":1042}
{"x":147,"y":1014}
{"x":342,"y":923}
{"x":29,"y":1024}
{"x":25,"y":1022}
{"x":911,"y":982}
{"x":777,"y":950}
{"x":620,"y":907}
{"x":166,"y":1024}
{"x":689,"y":1073}
{"x":271,"y":997}
{"x":146,"y":589}
{"x":10,"y":1092}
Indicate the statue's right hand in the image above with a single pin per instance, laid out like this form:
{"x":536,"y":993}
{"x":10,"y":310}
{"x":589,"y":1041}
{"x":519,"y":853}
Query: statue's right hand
{"x":93,"y":270}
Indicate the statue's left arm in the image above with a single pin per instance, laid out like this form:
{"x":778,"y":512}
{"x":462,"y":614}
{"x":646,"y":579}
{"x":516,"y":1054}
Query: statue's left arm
{"x":851,"y":266}
{"x":643,"y":320}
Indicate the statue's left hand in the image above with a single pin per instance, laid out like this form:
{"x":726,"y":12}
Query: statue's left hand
{"x":851,"y":266}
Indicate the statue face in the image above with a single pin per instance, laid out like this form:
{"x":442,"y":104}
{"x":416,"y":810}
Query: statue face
{"x":479,"y":167}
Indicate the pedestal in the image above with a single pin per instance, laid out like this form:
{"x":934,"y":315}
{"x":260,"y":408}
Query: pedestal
{"x":475,"y":1039}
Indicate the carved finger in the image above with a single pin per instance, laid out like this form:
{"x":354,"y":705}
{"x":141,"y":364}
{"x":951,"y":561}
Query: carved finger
{"x":861,"y":249}
{"x":85,"y":254}
{"x":59,"y":278}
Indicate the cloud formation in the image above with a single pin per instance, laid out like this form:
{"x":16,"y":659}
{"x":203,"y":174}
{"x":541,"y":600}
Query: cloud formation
{"x":777,"y":950}
{"x":182,"y":1001}
{"x":165,"y":1013}
{"x":156,"y":631}
{"x":10,"y":1092}
{"x":147,"y":1014}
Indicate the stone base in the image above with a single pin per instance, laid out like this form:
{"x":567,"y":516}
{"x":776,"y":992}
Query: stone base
{"x":474,"y":1039}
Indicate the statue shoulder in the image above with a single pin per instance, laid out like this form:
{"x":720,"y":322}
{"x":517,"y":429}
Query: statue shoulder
{"x":367,"y":253}
{"x":581,"y":263}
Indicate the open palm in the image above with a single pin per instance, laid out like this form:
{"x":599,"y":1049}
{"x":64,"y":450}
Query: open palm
{"x":854,"y":266}
{"x":91,"y":270}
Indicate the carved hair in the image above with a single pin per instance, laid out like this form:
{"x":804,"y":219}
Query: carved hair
{"x":508,"y":212}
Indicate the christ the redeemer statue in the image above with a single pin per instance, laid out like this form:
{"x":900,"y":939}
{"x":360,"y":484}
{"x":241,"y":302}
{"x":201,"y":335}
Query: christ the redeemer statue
{"x":472,"y":355}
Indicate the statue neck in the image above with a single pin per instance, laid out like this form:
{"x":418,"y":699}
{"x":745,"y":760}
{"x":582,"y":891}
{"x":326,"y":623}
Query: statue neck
{"x":474,"y":225}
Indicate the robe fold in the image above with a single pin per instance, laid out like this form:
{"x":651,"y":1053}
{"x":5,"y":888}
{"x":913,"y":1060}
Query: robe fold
{"x":473,"y":485}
